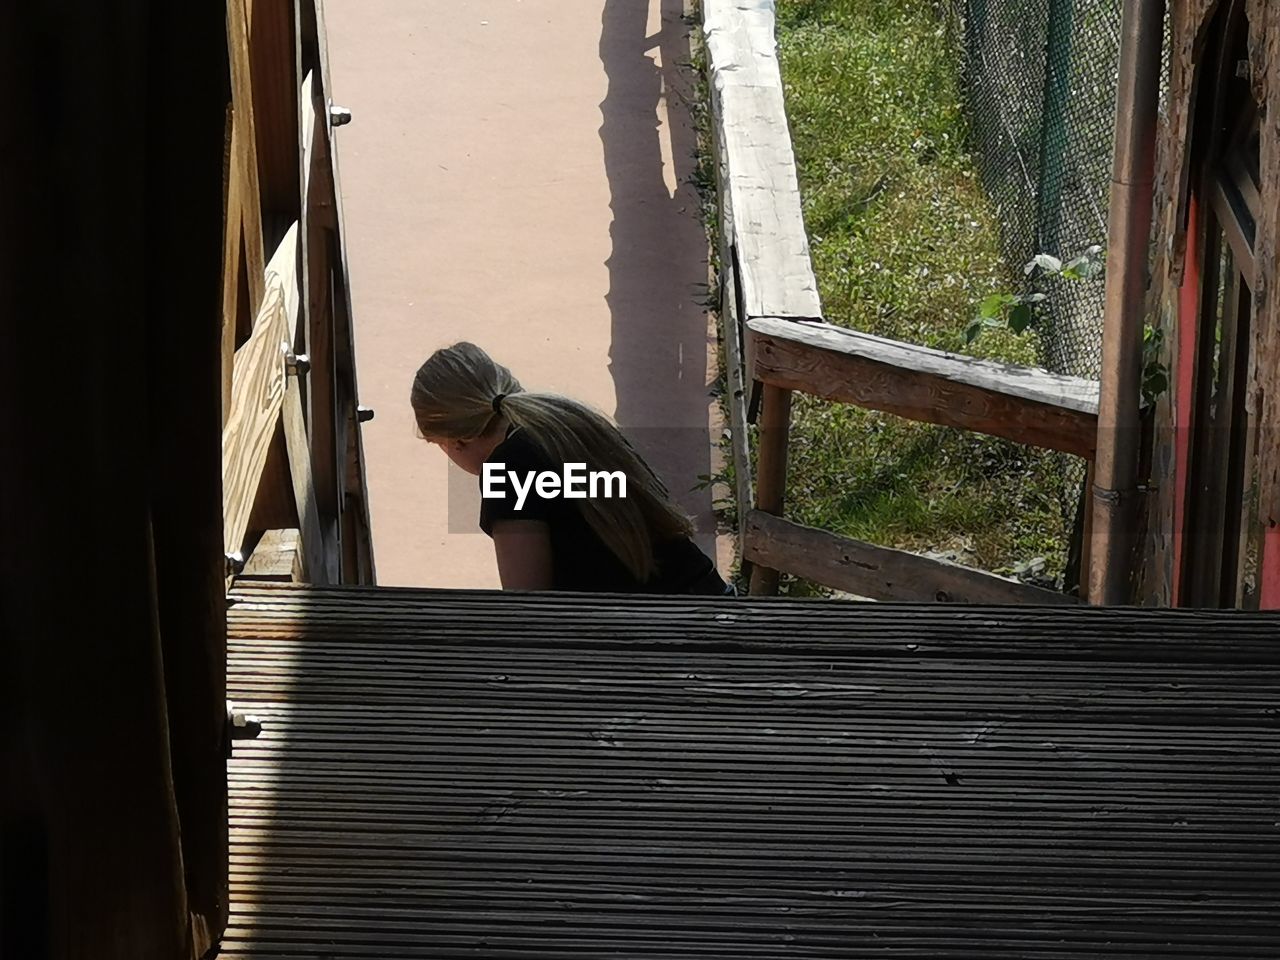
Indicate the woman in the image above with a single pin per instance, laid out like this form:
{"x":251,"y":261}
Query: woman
{"x":477,"y":412}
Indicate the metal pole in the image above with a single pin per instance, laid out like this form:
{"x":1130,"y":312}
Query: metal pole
{"x":1115,"y":493}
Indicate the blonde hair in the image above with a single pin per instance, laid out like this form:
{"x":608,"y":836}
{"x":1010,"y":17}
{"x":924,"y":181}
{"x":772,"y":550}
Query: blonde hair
{"x":460,"y":392}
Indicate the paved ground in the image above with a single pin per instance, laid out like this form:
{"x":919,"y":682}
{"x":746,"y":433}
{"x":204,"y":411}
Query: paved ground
{"x":517,"y":175}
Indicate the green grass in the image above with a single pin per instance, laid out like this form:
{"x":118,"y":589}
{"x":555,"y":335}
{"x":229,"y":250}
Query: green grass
{"x":905,"y":244}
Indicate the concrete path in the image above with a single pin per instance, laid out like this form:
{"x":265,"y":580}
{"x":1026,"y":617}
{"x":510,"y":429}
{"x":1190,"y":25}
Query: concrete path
{"x":516,"y":175}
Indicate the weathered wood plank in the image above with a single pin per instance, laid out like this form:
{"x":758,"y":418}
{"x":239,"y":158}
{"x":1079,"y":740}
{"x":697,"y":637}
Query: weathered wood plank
{"x":750,"y":116}
{"x":664,"y":778}
{"x":257,"y":392}
{"x":353,"y":525}
{"x":878,"y":573}
{"x":1019,"y":403}
{"x":320,"y":558}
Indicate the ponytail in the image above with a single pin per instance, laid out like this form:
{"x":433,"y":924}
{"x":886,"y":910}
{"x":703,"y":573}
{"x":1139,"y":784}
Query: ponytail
{"x":459,"y":393}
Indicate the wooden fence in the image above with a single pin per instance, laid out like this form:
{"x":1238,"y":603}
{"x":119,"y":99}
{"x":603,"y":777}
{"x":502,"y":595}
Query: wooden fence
{"x":776,"y":342}
{"x":294,"y":495}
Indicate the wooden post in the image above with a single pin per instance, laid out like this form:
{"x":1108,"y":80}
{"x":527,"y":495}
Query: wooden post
{"x":771,"y":472}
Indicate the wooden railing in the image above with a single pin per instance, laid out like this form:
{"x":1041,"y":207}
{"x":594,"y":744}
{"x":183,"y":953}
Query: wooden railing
{"x":775,"y":342}
{"x":294,"y":495}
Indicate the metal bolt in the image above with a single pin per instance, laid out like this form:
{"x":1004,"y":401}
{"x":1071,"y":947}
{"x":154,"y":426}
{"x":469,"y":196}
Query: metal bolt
{"x":364,"y":414}
{"x":339,"y":116}
{"x":297,"y":363}
{"x":244,"y":726}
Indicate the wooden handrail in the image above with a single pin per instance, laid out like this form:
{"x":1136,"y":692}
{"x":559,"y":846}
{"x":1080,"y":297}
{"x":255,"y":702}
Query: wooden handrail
{"x":775,"y":342}
{"x":1025,"y":404}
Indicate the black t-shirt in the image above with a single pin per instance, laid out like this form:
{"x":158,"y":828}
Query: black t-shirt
{"x":580,"y":560}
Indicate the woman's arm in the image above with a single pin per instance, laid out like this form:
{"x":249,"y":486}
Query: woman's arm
{"x":524,"y":554}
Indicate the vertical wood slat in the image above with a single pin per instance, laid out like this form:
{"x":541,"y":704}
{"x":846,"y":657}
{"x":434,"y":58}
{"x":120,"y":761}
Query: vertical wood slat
{"x":321,"y":563}
{"x":771,"y":477}
{"x":323,"y":412}
{"x":349,"y":441}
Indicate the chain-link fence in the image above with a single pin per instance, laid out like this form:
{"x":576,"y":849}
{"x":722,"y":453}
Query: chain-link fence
{"x":1040,"y":80}
{"x":1039,"y":77}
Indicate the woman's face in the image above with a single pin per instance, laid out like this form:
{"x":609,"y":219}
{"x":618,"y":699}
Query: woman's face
{"x":469,"y":455}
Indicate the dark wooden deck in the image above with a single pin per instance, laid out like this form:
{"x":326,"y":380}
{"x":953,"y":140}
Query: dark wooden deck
{"x":477,"y":775}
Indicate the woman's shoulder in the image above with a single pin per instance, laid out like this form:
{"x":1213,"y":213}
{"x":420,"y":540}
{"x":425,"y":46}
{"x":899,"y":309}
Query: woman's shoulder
{"x":520,"y":449}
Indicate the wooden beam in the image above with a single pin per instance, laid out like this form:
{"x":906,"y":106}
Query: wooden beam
{"x":244,"y":153}
{"x":257,"y":392}
{"x":1024,"y":404}
{"x":878,"y":573}
{"x":277,"y":557}
{"x":750,"y":117}
{"x":273,"y":56}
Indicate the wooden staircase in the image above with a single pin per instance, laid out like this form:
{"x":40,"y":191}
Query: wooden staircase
{"x":471,"y":774}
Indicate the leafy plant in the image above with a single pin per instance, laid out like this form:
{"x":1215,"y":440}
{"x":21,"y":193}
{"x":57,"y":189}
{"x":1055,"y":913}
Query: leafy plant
{"x":1155,"y":375}
{"x":1014,"y":310}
